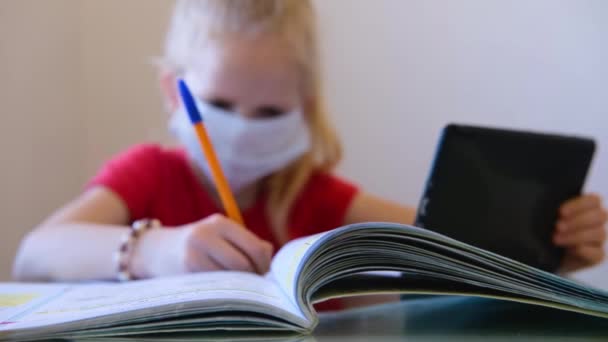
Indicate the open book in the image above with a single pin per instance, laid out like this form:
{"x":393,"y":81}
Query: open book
{"x":355,"y":259}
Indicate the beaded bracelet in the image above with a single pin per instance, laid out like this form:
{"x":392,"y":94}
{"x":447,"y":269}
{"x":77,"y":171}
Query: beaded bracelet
{"x":124,"y":253}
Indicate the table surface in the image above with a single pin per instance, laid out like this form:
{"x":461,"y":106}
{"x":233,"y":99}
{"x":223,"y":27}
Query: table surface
{"x":438,"y":318}
{"x":461,"y":318}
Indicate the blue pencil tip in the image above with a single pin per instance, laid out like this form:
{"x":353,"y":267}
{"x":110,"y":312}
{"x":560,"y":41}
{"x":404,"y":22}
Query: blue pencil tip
{"x":189,"y":103}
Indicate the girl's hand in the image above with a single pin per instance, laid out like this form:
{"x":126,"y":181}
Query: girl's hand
{"x":581,"y":231}
{"x":212,"y":244}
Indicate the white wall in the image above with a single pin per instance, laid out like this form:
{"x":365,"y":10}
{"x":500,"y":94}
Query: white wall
{"x":396,"y":72}
{"x":76,"y":86}
{"x":40,"y":126}
{"x":400,"y":70}
{"x":121,"y":92}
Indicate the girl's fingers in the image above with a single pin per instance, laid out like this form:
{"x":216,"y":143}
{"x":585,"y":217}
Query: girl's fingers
{"x":580,"y":204}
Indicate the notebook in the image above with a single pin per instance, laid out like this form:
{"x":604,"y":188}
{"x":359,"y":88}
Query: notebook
{"x":365,"y":258}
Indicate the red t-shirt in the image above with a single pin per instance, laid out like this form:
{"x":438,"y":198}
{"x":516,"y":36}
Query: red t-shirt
{"x":155,"y":182}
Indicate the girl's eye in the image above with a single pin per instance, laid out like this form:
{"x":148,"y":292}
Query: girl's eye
{"x":269,"y":112}
{"x":221,"y":104}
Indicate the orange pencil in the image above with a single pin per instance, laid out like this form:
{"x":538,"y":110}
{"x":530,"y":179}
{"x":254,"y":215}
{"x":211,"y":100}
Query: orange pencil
{"x":221,"y":184}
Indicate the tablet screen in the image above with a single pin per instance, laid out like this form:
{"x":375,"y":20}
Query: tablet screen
{"x":501,"y":189}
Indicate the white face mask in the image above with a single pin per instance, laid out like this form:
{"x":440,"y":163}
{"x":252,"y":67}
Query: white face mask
{"x":248,"y":149}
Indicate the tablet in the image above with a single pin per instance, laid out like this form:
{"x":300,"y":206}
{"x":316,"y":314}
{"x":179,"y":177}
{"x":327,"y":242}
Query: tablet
{"x":501,"y":189}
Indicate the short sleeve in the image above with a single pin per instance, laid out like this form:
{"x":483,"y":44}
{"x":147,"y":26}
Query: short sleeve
{"x":134,"y":176}
{"x":328,"y":199}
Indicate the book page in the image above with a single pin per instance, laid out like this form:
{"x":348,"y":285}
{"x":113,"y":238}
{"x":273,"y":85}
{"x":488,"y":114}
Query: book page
{"x":287,"y":264}
{"x":60,"y":304}
{"x":17,"y":300}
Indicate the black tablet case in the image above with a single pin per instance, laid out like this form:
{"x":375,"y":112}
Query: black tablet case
{"x":501,"y":189}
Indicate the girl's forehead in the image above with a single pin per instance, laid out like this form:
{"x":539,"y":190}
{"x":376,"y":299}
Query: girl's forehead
{"x":251,"y":65}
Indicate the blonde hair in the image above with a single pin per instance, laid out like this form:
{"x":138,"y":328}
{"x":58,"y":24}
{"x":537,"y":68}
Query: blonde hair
{"x":196,"y":22}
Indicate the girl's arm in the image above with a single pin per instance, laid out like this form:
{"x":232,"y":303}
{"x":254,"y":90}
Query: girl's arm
{"x":365,"y":208}
{"x":80,"y":240}
{"x":77,"y":242}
